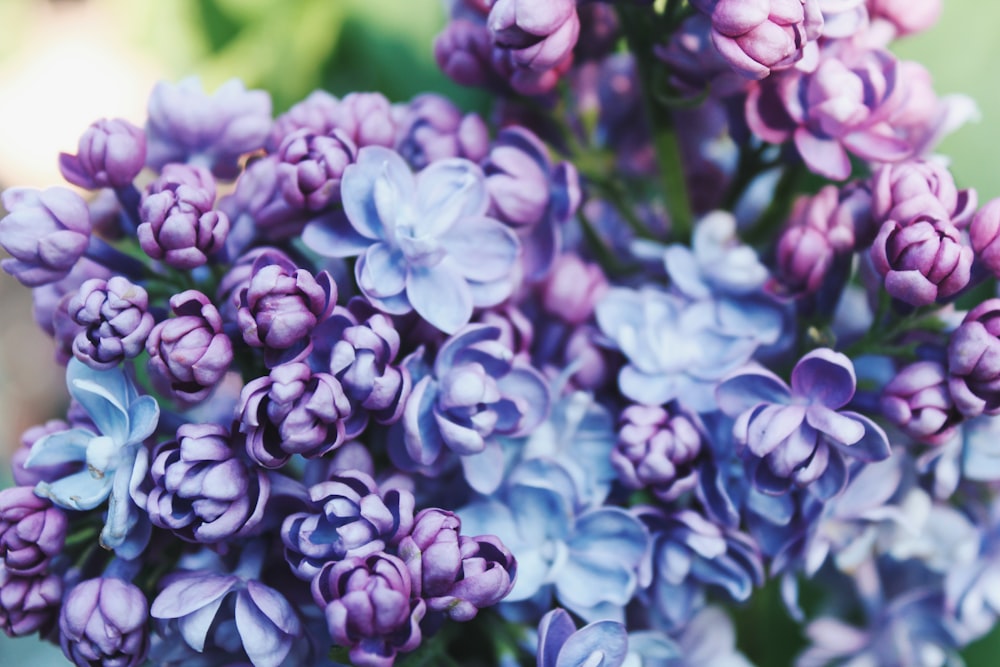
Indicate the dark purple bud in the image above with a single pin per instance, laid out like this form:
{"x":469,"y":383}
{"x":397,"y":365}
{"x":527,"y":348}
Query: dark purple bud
{"x":353,"y":519}
{"x":237,"y":279}
{"x":315,"y":113}
{"x":695,"y":64}
{"x":539,"y":35}
{"x":432,"y":128}
{"x":922,"y":261}
{"x":292,"y":411}
{"x":111,"y":153}
{"x":573,"y":288}
{"x":179,"y":225}
{"x":917,"y":401}
{"x":369,"y":609}
{"x":432,"y":553}
{"x":29,"y":604}
{"x":657,"y":449}
{"x":115,"y":319}
{"x":104,"y":621}
{"x":202,"y":488}
{"x":311,"y":166}
{"x":46,"y":232}
{"x":32,"y":531}
{"x":984,"y":233}
{"x":189,"y":354}
{"x":486,"y":577}
{"x":281,"y":306}
{"x":974,"y":361}
{"x":463,"y":51}
{"x":366,"y":119}
{"x":916,"y":188}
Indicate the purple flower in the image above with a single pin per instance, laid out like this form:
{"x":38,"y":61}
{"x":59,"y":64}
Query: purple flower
{"x":923,"y":260}
{"x":292,"y":411}
{"x":657,"y":449}
{"x":919,"y":188}
{"x":116,"y":321}
{"x":695,"y":65}
{"x":538,"y":35}
{"x":202,"y":489}
{"x":237,"y":278}
{"x":111,"y":153}
{"x":485,"y":577}
{"x":573,"y":288}
{"x":432,"y":128}
{"x":316,"y":113}
{"x":425,"y":243}
{"x":799,"y":434}
{"x":258,"y":208}
{"x":974,"y":361}
{"x":46,"y":232}
{"x":369,"y":607}
{"x":431,"y":552}
{"x":759,"y":36}
{"x":463,"y":52}
{"x":917,"y":401}
{"x":29,"y":604}
{"x":189,"y":354}
{"x":186,"y":125}
{"x":476,"y":392}
{"x":178,"y":224}
{"x":367,"y":119}
{"x":32,"y":531}
{"x":311,"y":166}
{"x":105,"y":621}
{"x":30,"y":477}
{"x":352,"y":518}
{"x":905,"y":16}
{"x":280,"y":307}
{"x":984,"y":233}
{"x":599,"y":644}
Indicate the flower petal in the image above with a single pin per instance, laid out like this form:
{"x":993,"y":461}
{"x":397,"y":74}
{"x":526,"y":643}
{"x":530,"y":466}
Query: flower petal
{"x":440,"y":295}
{"x":482,"y":249}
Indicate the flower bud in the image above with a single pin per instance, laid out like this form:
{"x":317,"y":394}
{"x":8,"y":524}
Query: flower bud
{"x":111,"y":153}
{"x":922,"y":261}
{"x":115,"y":318}
{"x":105,"y":620}
{"x":46,"y":232}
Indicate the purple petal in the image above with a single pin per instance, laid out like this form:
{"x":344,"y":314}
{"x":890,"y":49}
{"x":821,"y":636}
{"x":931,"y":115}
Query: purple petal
{"x":743,"y":391}
{"x":482,"y":249}
{"x":825,"y":376}
{"x":553,"y":631}
{"x":333,"y":236}
{"x":873,"y":446}
{"x":603,"y":643}
{"x":440,"y":295}
{"x":484,"y":471}
{"x":187,"y":595}
{"x":265,"y":644}
{"x":836,"y":425}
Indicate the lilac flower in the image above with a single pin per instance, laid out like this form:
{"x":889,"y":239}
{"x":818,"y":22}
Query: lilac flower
{"x":573,"y":288}
{"x":316,"y":113}
{"x":292,"y":411}
{"x":915,"y":188}
{"x":105,"y":456}
{"x":237,"y":278}
{"x":311,"y":167}
{"x":189,"y":354}
{"x":265,"y":621}
{"x":917,"y":400}
{"x":843,"y":18}
{"x":46,"y":232}
{"x":475,"y":392}
{"x":695,"y":65}
{"x":258,"y":208}
{"x":32,"y":532}
{"x":425,"y":243}
{"x":179,"y":225}
{"x":186,"y":125}
{"x":538,"y":36}
{"x":116,"y":321}
{"x":367,"y":119}
{"x":200,"y":488}
{"x":369,"y":607}
{"x":905,"y":16}
{"x":922,"y":261}
{"x":280,"y":307}
{"x":800,"y":435}
{"x":599,"y":644}
{"x":110,"y":154}
{"x":657,"y":449}
{"x":763,"y":35}
{"x":29,"y":604}
{"x":463,"y":51}
{"x":104,"y":621}
{"x":432,"y":128}
{"x":984,"y":234}
{"x":30,"y":477}
{"x":973,"y":362}
{"x":485,"y":576}
{"x":348,"y":517}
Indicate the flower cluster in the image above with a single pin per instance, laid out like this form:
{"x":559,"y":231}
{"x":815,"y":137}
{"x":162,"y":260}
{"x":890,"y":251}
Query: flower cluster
{"x":348,"y":377}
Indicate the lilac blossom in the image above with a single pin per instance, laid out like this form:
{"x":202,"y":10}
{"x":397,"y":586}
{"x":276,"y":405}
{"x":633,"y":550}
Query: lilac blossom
{"x":657,"y":448}
{"x":799,"y":434}
{"x":237,"y":278}
{"x":104,"y":621}
{"x":46,"y":232}
{"x":486,"y":574}
{"x":917,"y":401}
{"x":316,"y":113}
{"x":311,"y":167}
{"x":538,"y":36}
{"x":116,"y":320}
{"x":29,"y":604}
{"x":30,"y":477}
{"x":104,"y":455}
{"x":915,"y":188}
{"x":973,"y":365}
{"x":905,"y":16}
{"x":463,"y":51}
{"x":32,"y":532}
{"x":186,"y":125}
{"x":475,"y":392}
{"x":110,"y":154}
{"x":695,"y":64}
{"x":425,"y":243}
{"x":598,"y":644}
{"x":432,"y":128}
{"x":257,"y":209}
{"x":573,"y":288}
{"x":367,"y":119}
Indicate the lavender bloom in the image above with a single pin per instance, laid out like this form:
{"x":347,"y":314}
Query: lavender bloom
{"x":431,"y":128}
{"x":763,"y":35}
{"x":657,"y":449}
{"x":292,"y":411}
{"x":178,"y":224}
{"x":110,"y":154}
{"x":675,"y":350}
{"x":258,"y":208}
{"x":352,"y":518}
{"x":915,"y":188}
{"x":463,"y":51}
{"x":973,"y":361}
{"x":46,"y":232}
{"x":367,"y":119}
{"x":104,"y":621}
{"x":32,"y":531}
{"x":189,"y":354}
{"x":29,"y":604}
{"x":917,"y":401}
{"x":486,"y":576}
{"x":599,"y":644}
{"x":201,"y":489}
{"x":431,"y":552}
{"x":476,"y":392}
{"x":425,"y":243}
{"x":538,"y":36}
{"x":846,"y":104}
{"x":984,"y":233}
{"x":266,"y":623}
{"x":922,"y":261}
{"x":281,"y":306}
{"x":104,"y":459}
{"x":573,"y":289}
{"x":369,"y":608}
{"x":116,"y":321}
{"x":311,"y":167}
{"x":186,"y":125}
{"x":238,"y":277}
{"x":800,"y":435}
{"x":316,"y":113}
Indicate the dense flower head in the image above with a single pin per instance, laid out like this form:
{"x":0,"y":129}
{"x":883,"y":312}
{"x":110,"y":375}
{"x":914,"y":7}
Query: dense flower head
{"x":32,"y":532}
{"x":46,"y":232}
{"x":116,"y":321}
{"x":110,"y":154}
{"x":104,"y":621}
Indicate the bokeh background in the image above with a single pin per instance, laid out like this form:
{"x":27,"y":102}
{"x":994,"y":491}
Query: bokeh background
{"x":66,"y":63}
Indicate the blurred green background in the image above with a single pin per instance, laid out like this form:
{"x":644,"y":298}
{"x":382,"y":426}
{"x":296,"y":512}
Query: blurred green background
{"x":65,"y":63}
